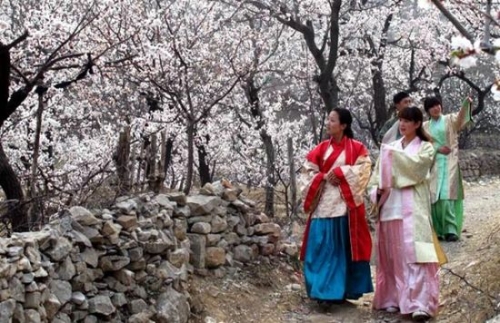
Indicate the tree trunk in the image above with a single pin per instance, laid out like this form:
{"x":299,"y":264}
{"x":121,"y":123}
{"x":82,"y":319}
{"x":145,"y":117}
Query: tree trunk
{"x":271,"y":180}
{"x":14,"y":192}
{"x":122,"y":161}
{"x":190,"y":162}
{"x":293,"y":182}
{"x":152,"y":165}
{"x":168,"y":154}
{"x":203,"y":166}
{"x":35,"y":207}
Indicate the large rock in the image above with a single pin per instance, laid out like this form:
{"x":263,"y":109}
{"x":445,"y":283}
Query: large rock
{"x":243,"y":253}
{"x":200,"y":204}
{"x":215,"y":257}
{"x":101,"y":305}
{"x":128,"y":222}
{"x":113,"y":263}
{"x":218,"y":224}
{"x":198,"y":250}
{"x":61,"y":289}
{"x":267,"y":228}
{"x":201,"y":227}
{"x":164,"y":202}
{"x":60,"y":250}
{"x":179,"y":257}
{"x":83,"y":216}
{"x":178,"y":197}
{"x":7,"y":310}
{"x":172,"y":307}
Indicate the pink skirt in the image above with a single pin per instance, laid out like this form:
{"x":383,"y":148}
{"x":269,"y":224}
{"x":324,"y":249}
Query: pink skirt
{"x":399,"y":282}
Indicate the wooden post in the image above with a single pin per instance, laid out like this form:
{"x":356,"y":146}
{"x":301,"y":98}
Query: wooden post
{"x":122,"y":161}
{"x":293,"y":182}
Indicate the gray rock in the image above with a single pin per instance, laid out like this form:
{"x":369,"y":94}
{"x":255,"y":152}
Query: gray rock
{"x":200,"y":218}
{"x":180,"y":229}
{"x":90,"y":319}
{"x":126,"y":206}
{"x":62,"y":318}
{"x":33,"y":300}
{"x":143,"y":317}
{"x":137,"y":306}
{"x":83,"y":216}
{"x":7,"y":310}
{"x":267,"y":228}
{"x":18,"y":314}
{"x":16,"y":289}
{"x":61,"y":289}
{"x":90,"y":257}
{"x":66,"y":269}
{"x":201,"y":227}
{"x":113,"y":263}
{"x":172,"y":307}
{"x":110,"y":229}
{"x":158,"y":246}
{"x":80,"y":238}
{"x":241,"y":206}
{"x":52,"y":306}
{"x":135,"y":254}
{"x":198,"y":250}
{"x":60,"y":250}
{"x":119,"y":299}
{"x":164,"y":201}
{"x":182,"y":211}
{"x":232,"y":238}
{"x":78,"y":298}
{"x":128,"y":222}
{"x":179,"y":257}
{"x":213,"y":239}
{"x":15,"y":251}
{"x":202,"y":204}
{"x":243,"y":253}
{"x":32,"y":316}
{"x":178,"y":197}
{"x":218,"y":224}
{"x":101,"y":305}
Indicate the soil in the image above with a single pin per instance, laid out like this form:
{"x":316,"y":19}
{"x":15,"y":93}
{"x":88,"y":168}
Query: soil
{"x":272,"y":291}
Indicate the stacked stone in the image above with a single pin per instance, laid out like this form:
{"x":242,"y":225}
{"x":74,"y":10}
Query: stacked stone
{"x":477,"y":163}
{"x":130,"y":263}
{"x":225,"y":229}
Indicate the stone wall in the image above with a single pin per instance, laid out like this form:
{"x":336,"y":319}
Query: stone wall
{"x":475,"y":163}
{"x":130,"y":263}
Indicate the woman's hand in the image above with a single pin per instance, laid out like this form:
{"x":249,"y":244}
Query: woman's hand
{"x":332,"y":179}
{"x":445,"y":150}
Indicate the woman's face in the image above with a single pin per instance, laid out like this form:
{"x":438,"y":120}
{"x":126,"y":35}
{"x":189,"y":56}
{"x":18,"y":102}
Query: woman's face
{"x":435,"y":111}
{"x":408,"y":128}
{"x":333,"y":125}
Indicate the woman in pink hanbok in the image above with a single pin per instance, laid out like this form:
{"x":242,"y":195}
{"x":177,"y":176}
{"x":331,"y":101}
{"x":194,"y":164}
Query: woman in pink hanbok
{"x":408,"y":254}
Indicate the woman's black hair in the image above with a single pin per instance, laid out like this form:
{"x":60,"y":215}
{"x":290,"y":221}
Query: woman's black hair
{"x":415,"y":114}
{"x":430,"y":102}
{"x":345,"y":118}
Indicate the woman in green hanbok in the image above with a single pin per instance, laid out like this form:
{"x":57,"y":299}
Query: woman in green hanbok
{"x":447,"y":191}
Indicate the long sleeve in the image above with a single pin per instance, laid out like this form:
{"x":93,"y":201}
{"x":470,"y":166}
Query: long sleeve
{"x":399,"y":170}
{"x":462,"y":118}
{"x":356,"y":176}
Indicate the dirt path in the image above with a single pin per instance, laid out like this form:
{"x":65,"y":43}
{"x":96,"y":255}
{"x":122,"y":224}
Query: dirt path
{"x":273,"y":292}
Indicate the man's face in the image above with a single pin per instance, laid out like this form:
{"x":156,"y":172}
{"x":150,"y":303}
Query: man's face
{"x":405,"y":103}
